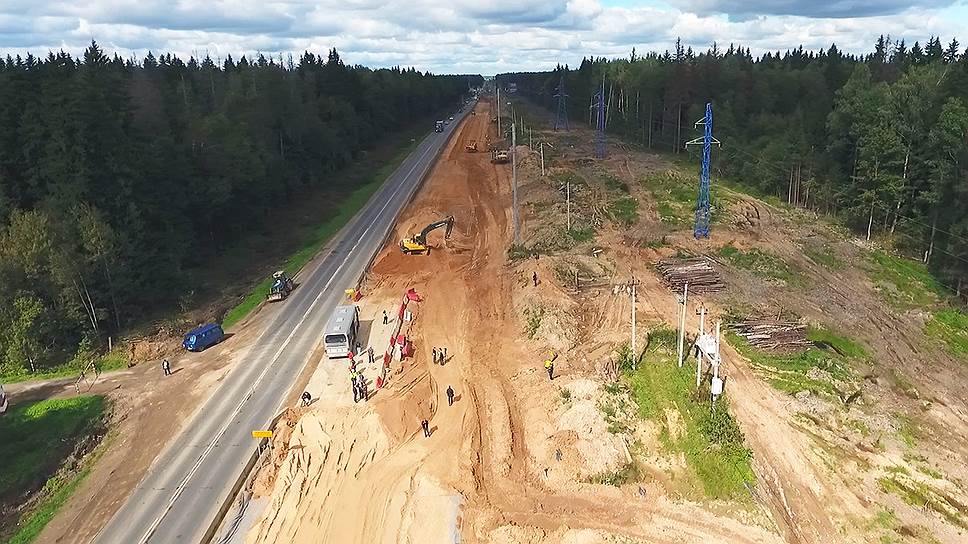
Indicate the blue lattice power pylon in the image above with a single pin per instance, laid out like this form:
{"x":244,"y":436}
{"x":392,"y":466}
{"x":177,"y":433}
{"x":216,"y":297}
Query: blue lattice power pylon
{"x":561,"y":118}
{"x":600,"y":123}
{"x":701,"y":227}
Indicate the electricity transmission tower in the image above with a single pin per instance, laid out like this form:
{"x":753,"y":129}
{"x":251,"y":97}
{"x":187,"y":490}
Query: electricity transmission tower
{"x":600,"y":122}
{"x":701,"y":227}
{"x":561,"y":119}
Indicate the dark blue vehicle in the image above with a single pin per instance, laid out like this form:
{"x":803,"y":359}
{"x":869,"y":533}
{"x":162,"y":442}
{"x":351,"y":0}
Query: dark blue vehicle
{"x":202,"y":337}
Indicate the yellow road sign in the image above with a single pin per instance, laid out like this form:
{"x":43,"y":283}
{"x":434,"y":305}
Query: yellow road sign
{"x":261,"y":434}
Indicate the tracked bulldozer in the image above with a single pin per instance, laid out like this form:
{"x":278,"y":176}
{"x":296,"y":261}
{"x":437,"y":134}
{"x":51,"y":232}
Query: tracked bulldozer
{"x":417,"y":243}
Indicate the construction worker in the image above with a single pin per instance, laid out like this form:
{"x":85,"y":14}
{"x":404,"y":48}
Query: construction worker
{"x":356,"y":392}
{"x":306,"y":398}
{"x":364,"y":393}
{"x":369,"y":352}
{"x":450,"y":396}
{"x":166,"y":366}
{"x":550,"y":367}
{"x":443,"y":357}
{"x":534,"y":278}
{"x":426,"y":427}
{"x":386,"y":318}
{"x":434,"y":351}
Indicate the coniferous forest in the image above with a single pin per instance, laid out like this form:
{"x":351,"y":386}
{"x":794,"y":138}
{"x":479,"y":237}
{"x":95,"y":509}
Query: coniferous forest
{"x":116,"y":176}
{"x":880,"y":140}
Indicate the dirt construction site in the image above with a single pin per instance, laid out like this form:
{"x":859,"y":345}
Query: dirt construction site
{"x":822,"y":438}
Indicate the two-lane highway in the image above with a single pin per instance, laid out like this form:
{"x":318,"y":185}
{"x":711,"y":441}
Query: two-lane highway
{"x":180,"y":496}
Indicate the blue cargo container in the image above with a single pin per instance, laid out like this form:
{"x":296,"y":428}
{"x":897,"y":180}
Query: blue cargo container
{"x":202,"y":337}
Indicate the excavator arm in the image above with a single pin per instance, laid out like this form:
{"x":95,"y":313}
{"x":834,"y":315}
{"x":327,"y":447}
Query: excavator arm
{"x":418,"y":242}
{"x":446,"y":222}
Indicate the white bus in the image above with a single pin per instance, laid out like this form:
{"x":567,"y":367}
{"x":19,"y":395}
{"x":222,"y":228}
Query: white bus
{"x":3,"y":400}
{"x":341,"y":331}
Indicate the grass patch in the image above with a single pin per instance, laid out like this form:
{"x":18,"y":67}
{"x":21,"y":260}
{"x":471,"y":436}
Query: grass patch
{"x":923,"y":496}
{"x":582,"y":234}
{"x":565,"y":395}
{"x":564,"y":177}
{"x":629,"y":473}
{"x":35,"y":439}
{"x":674,"y":195}
{"x":794,"y":372}
{"x":110,"y":361}
{"x":762,"y":263}
{"x":951,"y":328}
{"x":904,"y":283}
{"x":625,"y":210}
{"x":532,"y":318}
{"x":347,"y":208}
{"x":711,"y":440}
{"x":907,"y":431}
{"x":56,"y":491}
{"x":518,"y":252}
{"x":822,"y":255}
{"x":841,"y":344}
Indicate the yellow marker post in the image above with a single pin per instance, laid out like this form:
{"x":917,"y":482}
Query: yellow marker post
{"x":261,"y":434}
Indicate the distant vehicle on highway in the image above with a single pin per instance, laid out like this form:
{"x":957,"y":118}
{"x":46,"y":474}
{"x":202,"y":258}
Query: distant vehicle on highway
{"x":341,"y":331}
{"x":203,"y":337}
{"x":451,"y":118}
{"x":439,"y":126}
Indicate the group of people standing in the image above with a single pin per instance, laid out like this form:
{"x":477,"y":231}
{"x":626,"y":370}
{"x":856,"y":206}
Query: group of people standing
{"x":439,"y":355}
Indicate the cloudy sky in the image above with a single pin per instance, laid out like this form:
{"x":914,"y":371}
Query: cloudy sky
{"x":466,"y":36}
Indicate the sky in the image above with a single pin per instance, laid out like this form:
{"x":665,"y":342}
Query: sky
{"x":466,"y":36}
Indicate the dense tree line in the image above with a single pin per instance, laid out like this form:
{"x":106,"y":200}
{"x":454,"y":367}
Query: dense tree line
{"x":879,"y":139}
{"x":116,"y":176}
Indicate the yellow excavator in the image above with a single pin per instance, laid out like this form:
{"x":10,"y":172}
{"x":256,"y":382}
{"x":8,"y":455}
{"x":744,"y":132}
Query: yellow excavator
{"x":417,"y":243}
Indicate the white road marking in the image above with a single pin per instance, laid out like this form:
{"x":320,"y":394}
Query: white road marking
{"x":181,"y":486}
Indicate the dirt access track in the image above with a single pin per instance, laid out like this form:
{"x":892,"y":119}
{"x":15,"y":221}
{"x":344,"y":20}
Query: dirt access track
{"x":500,"y":466}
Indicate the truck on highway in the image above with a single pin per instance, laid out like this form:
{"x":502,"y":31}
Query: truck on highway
{"x":342,"y":331}
{"x":203,"y":337}
{"x":439,"y":126}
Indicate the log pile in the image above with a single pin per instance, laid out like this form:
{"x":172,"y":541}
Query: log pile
{"x":698,"y":272}
{"x":773,"y":335}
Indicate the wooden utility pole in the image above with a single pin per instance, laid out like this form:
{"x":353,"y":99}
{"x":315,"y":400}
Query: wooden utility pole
{"x":634,"y":352}
{"x":568,"y":201}
{"x":514,"y":184}
{"x":682,"y":321}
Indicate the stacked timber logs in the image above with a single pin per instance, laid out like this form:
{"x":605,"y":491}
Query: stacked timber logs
{"x":698,"y":272}
{"x":771,"y":334}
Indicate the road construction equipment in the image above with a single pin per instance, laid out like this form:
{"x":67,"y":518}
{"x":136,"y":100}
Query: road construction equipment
{"x":500,"y":156}
{"x":471,"y":146}
{"x":281,"y":286}
{"x":418,"y":242}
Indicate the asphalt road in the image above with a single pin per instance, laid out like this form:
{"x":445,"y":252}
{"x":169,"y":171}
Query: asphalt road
{"x":183,"y":490}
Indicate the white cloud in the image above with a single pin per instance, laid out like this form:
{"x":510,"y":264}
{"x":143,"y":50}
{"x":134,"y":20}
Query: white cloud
{"x":460,"y":35}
